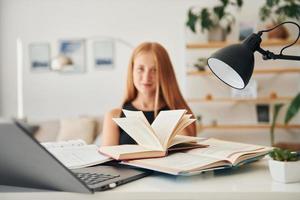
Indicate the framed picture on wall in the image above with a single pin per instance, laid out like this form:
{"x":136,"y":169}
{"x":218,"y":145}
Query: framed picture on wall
{"x":39,"y":56}
{"x":263,"y":113}
{"x":104,"y":54}
{"x":74,"y":51}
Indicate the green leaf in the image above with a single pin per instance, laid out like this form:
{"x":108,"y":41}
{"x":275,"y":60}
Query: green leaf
{"x":219,"y":11}
{"x":280,"y":10}
{"x":206,"y":21}
{"x":277,"y":108}
{"x":239,"y":3}
{"x":192,"y":19}
{"x":278,"y":154}
{"x":264,"y":13}
{"x":291,"y":10}
{"x":272,"y":154}
{"x":286,"y":155}
{"x":292,"y":109}
{"x":283,"y":155}
{"x":225,"y":2}
{"x":210,"y":17}
{"x":272,"y":3}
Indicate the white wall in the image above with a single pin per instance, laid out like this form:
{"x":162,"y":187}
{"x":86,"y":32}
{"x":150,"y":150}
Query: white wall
{"x":54,"y":95}
{"x":51,"y":95}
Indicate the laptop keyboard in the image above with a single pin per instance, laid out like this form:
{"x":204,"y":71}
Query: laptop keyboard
{"x":95,"y":178}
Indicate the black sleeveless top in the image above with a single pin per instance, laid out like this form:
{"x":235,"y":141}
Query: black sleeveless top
{"x":124,"y":137}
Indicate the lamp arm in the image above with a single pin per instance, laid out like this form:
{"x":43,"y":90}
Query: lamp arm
{"x":270,"y":55}
{"x":286,"y":57}
{"x":288,"y":22}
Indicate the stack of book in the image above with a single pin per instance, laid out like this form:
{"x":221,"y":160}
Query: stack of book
{"x":160,"y":148}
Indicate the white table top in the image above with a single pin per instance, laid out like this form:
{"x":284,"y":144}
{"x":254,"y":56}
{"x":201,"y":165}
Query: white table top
{"x":252,"y":181}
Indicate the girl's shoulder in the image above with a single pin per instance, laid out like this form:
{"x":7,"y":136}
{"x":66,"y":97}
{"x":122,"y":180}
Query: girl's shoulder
{"x":115,"y":112}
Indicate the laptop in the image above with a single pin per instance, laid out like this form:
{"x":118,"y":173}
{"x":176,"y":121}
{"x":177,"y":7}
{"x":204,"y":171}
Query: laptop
{"x":26,"y":163}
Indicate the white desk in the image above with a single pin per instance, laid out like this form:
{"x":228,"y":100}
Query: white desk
{"x":249,"y":182}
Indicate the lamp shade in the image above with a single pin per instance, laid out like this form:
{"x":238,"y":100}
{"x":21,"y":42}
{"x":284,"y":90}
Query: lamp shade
{"x":233,"y":65}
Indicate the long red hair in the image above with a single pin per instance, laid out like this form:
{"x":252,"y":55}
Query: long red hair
{"x":167,"y":87}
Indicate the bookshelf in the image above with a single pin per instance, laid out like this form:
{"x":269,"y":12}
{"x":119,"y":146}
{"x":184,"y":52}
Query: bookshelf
{"x":213,"y":94}
{"x":264,"y":43}
{"x":281,"y":70}
{"x":241,"y":100}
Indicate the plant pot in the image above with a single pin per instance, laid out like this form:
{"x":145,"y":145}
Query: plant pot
{"x":278,"y":33}
{"x":192,"y":37}
{"x":216,"y":34}
{"x":285,"y":172}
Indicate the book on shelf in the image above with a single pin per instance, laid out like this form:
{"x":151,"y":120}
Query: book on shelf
{"x":76,"y":154}
{"x":219,"y":154}
{"x":153,"y":140}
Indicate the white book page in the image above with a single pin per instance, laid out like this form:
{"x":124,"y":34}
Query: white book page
{"x":139,"y":131}
{"x":165,"y":123}
{"x":178,"y":139}
{"x":183,"y":124}
{"x":179,"y":129}
{"x":79,"y":157}
{"x":137,"y":114}
{"x":63,"y":144}
{"x":177,"y":162}
{"x":124,"y":149}
{"x":179,"y":125}
{"x":223,"y":149}
{"x":238,"y":157}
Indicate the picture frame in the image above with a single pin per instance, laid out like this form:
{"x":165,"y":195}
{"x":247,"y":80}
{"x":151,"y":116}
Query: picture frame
{"x":74,"y":50}
{"x":263,"y":113}
{"x":104,"y":51}
{"x":39,"y":56}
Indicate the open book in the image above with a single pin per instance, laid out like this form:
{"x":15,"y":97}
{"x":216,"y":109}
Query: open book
{"x":218,"y":155}
{"x":76,"y":153}
{"x":152,"y":140}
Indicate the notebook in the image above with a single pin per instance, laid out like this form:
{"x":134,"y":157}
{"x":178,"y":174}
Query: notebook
{"x":76,"y":154}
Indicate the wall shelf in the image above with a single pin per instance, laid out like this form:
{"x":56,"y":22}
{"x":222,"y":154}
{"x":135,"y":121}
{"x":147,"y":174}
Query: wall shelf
{"x":273,"y":42}
{"x":257,"y":71}
{"x":239,"y":127}
{"x":266,"y":72}
{"x":240,"y":100}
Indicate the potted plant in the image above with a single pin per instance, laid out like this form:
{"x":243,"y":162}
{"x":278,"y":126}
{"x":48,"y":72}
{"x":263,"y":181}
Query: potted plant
{"x":284,"y":165}
{"x":200,"y":64}
{"x":278,"y":11}
{"x":216,"y":20}
{"x":292,"y":111}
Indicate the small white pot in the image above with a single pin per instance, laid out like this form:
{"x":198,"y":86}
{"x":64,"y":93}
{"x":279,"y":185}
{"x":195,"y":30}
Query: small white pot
{"x":285,"y":172}
{"x":216,"y":34}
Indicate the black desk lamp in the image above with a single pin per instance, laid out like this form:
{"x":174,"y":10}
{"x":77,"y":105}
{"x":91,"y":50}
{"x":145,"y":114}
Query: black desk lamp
{"x":234,"y":64}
